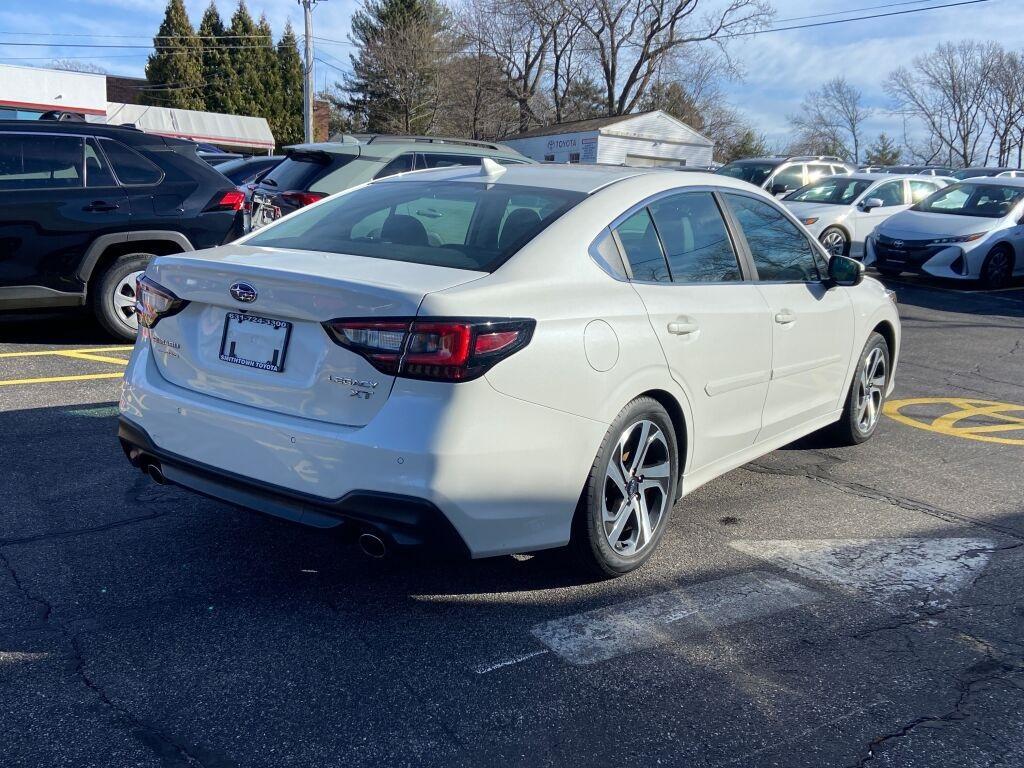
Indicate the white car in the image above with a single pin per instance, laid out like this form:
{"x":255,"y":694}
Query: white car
{"x":841,"y":211}
{"x":503,"y":359}
{"x":971,"y":230}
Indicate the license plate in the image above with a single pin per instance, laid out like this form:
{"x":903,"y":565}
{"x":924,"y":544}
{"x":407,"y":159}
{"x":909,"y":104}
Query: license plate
{"x":255,"y":342}
{"x":264,"y":214}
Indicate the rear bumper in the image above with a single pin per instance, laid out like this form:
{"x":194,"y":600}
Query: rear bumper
{"x":504,"y":474}
{"x":409,"y":523}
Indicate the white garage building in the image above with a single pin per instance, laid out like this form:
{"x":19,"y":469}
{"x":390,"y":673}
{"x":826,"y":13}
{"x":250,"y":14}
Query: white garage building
{"x":646,"y":139}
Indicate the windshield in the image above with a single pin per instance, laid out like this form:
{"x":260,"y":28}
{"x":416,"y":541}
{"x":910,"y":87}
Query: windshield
{"x":835,"y":190}
{"x":465,"y":225}
{"x":755,"y":173}
{"x":973,"y":173}
{"x":990,"y":201}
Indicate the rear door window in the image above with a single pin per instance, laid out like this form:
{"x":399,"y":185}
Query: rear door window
{"x":400,"y":164}
{"x":97,"y":171}
{"x":440,"y":160}
{"x":696,"y":242}
{"x":640,"y":244}
{"x":790,"y":178}
{"x":919,"y":190}
{"x":131,"y":168}
{"x":41,"y":162}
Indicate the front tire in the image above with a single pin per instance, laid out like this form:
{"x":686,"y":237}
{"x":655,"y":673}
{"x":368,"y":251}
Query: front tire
{"x":626,"y":504}
{"x":112,"y":297}
{"x":864,"y":402}
{"x":835,"y":241}
{"x":997,"y":269}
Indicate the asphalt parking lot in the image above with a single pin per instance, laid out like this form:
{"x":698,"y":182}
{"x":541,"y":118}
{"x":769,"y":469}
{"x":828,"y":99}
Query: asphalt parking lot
{"x":820,"y":607}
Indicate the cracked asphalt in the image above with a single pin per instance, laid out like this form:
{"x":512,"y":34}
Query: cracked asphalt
{"x":143,"y":626}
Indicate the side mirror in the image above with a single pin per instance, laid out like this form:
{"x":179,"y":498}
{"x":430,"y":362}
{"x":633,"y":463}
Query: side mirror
{"x":844,"y":271}
{"x":781,"y":189}
{"x":870,"y":203}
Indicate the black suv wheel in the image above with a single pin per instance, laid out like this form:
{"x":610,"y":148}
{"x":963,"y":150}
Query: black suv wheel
{"x":113,"y":297}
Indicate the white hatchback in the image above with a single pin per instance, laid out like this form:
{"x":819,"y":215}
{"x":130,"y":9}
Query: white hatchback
{"x":503,"y":359}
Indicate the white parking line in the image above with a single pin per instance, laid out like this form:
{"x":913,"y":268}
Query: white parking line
{"x":509,"y":662}
{"x":601,"y":634}
{"x":880,"y":569}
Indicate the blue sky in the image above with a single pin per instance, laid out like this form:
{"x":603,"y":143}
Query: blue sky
{"x":777,"y":68}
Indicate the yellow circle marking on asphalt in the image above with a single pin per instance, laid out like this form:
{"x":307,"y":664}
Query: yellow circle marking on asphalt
{"x":999,"y":418}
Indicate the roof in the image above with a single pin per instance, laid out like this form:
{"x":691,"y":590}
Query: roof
{"x":599,"y":123}
{"x":1001,"y":181}
{"x":230,"y":130}
{"x":395,"y":146}
{"x":123,"y":133}
{"x":572,"y":178}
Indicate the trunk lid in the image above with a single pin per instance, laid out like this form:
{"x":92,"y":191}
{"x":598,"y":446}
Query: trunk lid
{"x":296,"y":291}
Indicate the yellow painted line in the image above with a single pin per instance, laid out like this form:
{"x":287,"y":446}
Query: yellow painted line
{"x":96,"y":358}
{"x":44,"y":352}
{"x":52,"y":379}
{"x":1008,"y":417}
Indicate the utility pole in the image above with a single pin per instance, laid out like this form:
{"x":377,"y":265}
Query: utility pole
{"x":307,"y":80}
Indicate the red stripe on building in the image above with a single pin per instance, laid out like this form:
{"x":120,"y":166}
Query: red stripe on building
{"x":48,"y":107}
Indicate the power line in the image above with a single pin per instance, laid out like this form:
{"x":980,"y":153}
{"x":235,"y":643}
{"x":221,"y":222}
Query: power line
{"x":858,"y":18}
{"x":852,"y":10}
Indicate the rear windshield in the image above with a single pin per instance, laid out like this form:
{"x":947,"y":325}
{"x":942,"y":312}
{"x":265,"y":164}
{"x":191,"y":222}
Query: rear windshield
{"x":464,"y":225}
{"x":299,"y":172}
{"x":755,"y":173}
{"x":990,"y":201}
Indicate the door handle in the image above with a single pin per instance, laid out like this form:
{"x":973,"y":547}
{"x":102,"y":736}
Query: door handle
{"x":785,"y":317}
{"x":683,"y":326}
{"x":101,"y":205}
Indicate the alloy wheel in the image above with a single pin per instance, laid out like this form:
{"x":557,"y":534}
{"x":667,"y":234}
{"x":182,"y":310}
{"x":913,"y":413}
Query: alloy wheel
{"x":637,"y":486}
{"x":834,"y":242}
{"x":123,"y":300}
{"x":997,"y":268}
{"x":870,"y":390}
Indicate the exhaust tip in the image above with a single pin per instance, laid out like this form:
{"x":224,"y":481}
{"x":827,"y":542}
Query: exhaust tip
{"x":373,"y":545}
{"x":157,"y":474}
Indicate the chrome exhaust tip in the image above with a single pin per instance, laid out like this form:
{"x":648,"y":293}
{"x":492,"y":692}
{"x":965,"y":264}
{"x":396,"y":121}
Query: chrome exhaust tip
{"x":153,"y":470}
{"x":373,"y":545}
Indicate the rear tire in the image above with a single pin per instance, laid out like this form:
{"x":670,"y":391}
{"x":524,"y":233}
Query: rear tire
{"x":628,"y":498}
{"x":112,"y":295}
{"x":864,"y":402}
{"x":997,"y":270}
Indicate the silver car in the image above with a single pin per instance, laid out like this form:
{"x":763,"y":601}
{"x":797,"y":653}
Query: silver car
{"x":841,"y":211}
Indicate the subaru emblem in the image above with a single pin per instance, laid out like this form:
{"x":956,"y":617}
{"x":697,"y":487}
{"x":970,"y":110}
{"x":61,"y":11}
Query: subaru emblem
{"x":243,"y":292}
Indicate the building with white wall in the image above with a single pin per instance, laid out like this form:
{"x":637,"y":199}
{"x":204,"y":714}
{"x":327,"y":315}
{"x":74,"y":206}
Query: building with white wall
{"x":27,"y":92}
{"x":646,"y":139}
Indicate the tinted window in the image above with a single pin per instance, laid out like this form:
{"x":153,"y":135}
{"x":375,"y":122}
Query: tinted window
{"x":640,"y":244}
{"x":129,"y":165}
{"x":40,"y":162}
{"x":695,"y":239}
{"x":450,"y":224}
{"x":991,"y":201}
{"x":817,"y":171}
{"x":97,"y":172}
{"x":432,"y":160}
{"x":840,"y":190}
{"x":300,"y":171}
{"x":400,"y":164}
{"x":919,"y":190}
{"x":780,"y":251}
{"x":890,"y":193}
{"x":790,"y":178}
{"x":246,"y":169}
{"x":753,"y":172}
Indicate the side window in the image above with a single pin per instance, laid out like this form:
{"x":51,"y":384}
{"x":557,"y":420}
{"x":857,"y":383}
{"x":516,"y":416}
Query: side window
{"x":780,"y":250}
{"x":400,"y":164}
{"x":919,"y":190}
{"x":695,"y":239}
{"x":433,"y":160}
{"x":549,"y":158}
{"x":790,"y":178}
{"x":640,"y":244}
{"x":97,"y":172}
{"x":890,"y":193}
{"x":41,"y":162}
{"x":130,"y":167}
{"x":817,"y":171}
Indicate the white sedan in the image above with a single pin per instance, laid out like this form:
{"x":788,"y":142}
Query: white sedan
{"x":841,"y":211}
{"x":503,"y":359}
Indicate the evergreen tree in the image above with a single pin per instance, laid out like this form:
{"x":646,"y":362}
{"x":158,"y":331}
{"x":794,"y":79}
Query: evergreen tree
{"x":291,"y":129}
{"x":218,"y":74}
{"x":245,"y":61}
{"x":883,"y":152}
{"x":270,"y":100}
{"x":174,"y":69}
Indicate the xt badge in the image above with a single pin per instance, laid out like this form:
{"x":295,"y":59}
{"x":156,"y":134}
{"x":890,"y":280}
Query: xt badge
{"x":360,"y":393}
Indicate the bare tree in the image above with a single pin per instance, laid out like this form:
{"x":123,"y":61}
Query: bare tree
{"x":1004,"y":104}
{"x":946,"y":92}
{"x":629,"y":39}
{"x":71,"y":65}
{"x":831,"y":120}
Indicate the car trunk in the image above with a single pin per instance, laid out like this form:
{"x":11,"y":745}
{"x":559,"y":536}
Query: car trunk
{"x":272,"y":352}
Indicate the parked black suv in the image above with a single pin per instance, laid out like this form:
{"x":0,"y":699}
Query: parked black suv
{"x":84,"y":207}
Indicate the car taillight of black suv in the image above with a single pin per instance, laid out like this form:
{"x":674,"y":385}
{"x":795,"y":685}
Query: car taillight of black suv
{"x":84,"y":207}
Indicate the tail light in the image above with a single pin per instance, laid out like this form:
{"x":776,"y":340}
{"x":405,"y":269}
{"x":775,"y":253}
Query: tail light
{"x":435,"y":349}
{"x":232,"y":200}
{"x":153,"y":301}
{"x":301,"y":199}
